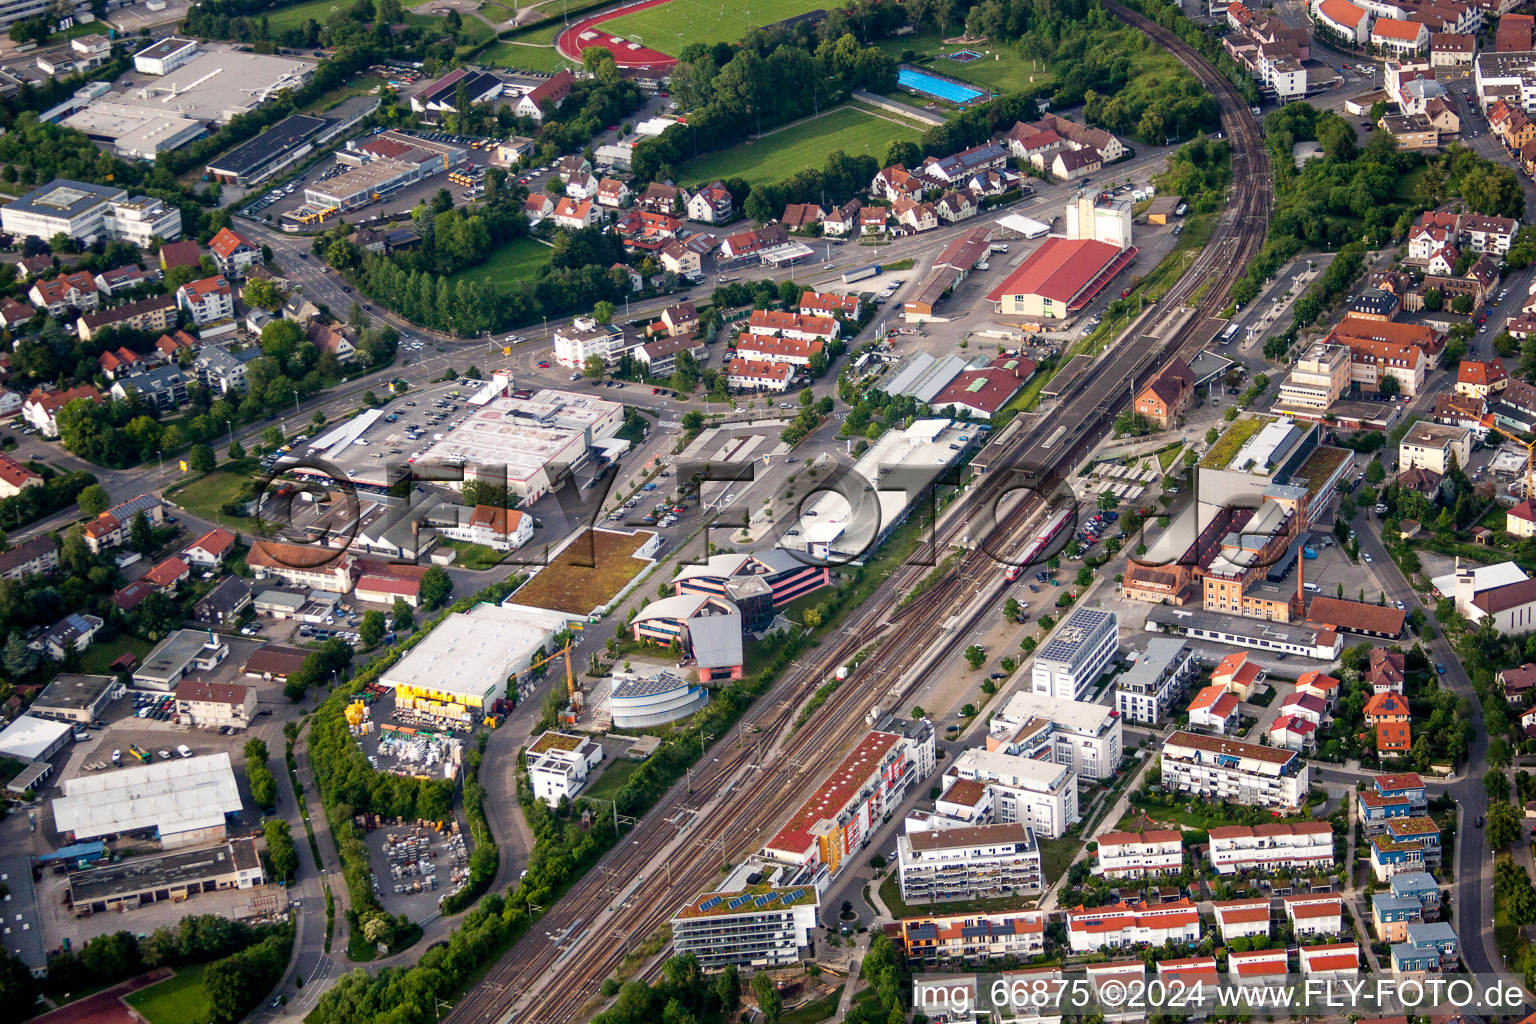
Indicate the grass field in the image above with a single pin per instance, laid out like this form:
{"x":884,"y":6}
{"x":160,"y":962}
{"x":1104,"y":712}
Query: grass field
{"x":356,"y":87}
{"x":566,"y":585}
{"x":98,"y":658}
{"x":529,"y":50}
{"x":514,"y":264}
{"x":295,"y":15}
{"x":205,"y":497}
{"x":1001,"y":69}
{"x":179,"y":1000}
{"x":807,"y":144}
{"x":669,"y":27}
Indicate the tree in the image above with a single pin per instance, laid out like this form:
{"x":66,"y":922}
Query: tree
{"x":435,"y":586}
{"x":768,"y":999}
{"x":1462,"y":304}
{"x":201,"y":458}
{"x":1503,"y":825}
{"x":262,"y":294}
{"x":372,"y":629}
{"x":281,"y":855}
{"x":1084,"y":576}
{"x":975,"y":656}
{"x":236,"y":451}
{"x":18,"y":659}
{"x":1389,"y":385}
{"x":1012,"y":609}
{"x":602,"y":311}
{"x":1434,"y":300}
{"x":594,"y":367}
{"x":140,"y":537}
{"x":94,"y":500}
{"x":402,"y":618}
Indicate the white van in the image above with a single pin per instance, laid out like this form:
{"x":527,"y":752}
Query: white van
{"x":1311,"y":588}
{"x":184,"y":750}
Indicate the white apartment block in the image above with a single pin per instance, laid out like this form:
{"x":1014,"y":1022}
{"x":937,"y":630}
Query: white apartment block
{"x":140,"y":219}
{"x":1431,"y":446}
{"x":73,"y":208}
{"x":982,"y":861}
{"x":558,"y":765}
{"x":1084,"y":737}
{"x":1239,"y":919}
{"x":1214,"y":768}
{"x":1121,"y":925}
{"x":1318,"y":379}
{"x":1150,"y":689}
{"x":1139,"y":854}
{"x":756,"y":926}
{"x":573,"y":346}
{"x":1315,"y":914}
{"x":1295,"y":847}
{"x":1040,"y":794}
{"x":1077,"y":654}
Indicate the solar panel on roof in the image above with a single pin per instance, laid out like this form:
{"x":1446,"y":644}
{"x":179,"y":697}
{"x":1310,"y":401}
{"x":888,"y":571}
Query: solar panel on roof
{"x":711,"y":903}
{"x":772,"y":897}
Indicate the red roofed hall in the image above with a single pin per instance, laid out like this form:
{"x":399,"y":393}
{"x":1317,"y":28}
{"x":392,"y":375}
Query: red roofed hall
{"x":1060,"y":277}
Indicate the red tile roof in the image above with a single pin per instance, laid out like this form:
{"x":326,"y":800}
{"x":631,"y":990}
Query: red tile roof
{"x":168,"y":572}
{"x":14,"y":473}
{"x":226,"y":243}
{"x":833,"y":795}
{"x":1058,"y":270}
{"x":1391,"y":28}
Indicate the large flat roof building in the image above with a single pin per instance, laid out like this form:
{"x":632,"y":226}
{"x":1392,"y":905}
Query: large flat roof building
{"x":142,"y":881}
{"x":755,"y":926}
{"x":75,"y":208}
{"x":259,"y":158}
{"x":1076,"y":654}
{"x":182,"y":802}
{"x":30,"y":738}
{"x":467,"y":658}
{"x":75,"y":698}
{"x":1085,"y":737}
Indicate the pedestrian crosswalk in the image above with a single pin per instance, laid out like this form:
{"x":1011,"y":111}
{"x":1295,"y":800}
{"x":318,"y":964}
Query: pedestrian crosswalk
{"x":669,"y":424}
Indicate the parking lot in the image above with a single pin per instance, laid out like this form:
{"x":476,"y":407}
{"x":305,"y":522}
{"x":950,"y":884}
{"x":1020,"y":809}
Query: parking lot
{"x":272,"y":204}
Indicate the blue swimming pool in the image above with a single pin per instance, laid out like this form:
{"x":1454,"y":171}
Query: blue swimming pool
{"x":933,"y":85}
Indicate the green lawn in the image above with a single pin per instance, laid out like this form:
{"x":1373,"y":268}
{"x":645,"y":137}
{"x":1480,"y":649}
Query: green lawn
{"x":807,"y":144}
{"x":178,"y":1000}
{"x":815,"y":1011}
{"x":672,"y":26}
{"x":1001,"y":69}
{"x":98,"y":658}
{"x":890,"y":895}
{"x":531,"y":49}
{"x":475,"y":556}
{"x":613,"y":779}
{"x":205,"y":497}
{"x":356,"y":87}
{"x":513,"y":265}
{"x":282,"y":19}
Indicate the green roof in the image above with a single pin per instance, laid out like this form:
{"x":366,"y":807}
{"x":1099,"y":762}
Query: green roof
{"x":752,"y":899}
{"x":1230,"y":443}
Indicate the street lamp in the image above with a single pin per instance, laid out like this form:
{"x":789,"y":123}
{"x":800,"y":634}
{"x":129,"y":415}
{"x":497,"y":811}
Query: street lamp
{"x":295,"y":403}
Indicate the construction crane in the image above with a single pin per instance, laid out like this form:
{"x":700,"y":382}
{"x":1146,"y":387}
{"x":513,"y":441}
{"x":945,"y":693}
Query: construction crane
{"x":1530,"y":454}
{"x":570,"y":678}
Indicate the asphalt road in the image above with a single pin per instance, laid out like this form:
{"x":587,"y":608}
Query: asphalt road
{"x":1472,"y":892}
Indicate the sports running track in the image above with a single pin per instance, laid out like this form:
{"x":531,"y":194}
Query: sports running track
{"x":107,"y":1006}
{"x":626,"y":54}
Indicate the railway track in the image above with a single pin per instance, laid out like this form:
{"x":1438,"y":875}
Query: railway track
{"x":747,"y":788}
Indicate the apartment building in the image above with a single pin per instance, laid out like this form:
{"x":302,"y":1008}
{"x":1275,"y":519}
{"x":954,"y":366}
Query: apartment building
{"x":856,"y":797}
{"x":1298,"y":846}
{"x":1258,"y":965}
{"x":1315,"y":914}
{"x":559,"y":763}
{"x":1124,"y":925}
{"x":1139,"y":854}
{"x":1073,"y":658}
{"x":976,"y":862}
{"x":1393,"y":914}
{"x":1214,"y":768}
{"x":1148,"y":692}
{"x":1427,"y":948}
{"x":1240,"y":919}
{"x":1040,"y":794}
{"x":207,"y":300}
{"x":753,"y":926}
{"x":1421,"y":886}
{"x":1432,"y":446}
{"x":1331,"y":961}
{"x":970,"y":937}
{"x":1084,"y":737}
{"x":1317,"y":380}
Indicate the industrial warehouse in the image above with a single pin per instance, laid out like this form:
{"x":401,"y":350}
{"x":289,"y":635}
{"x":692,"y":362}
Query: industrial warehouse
{"x":141,"y":881}
{"x":182,"y":802}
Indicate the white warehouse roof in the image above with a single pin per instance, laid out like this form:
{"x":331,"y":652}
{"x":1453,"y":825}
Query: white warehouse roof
{"x":475,"y":653}
{"x":30,"y":738}
{"x":180,"y":795}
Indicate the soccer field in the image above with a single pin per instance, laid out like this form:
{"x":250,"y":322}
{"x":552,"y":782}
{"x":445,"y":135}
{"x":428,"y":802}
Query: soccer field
{"x":672,"y":26}
{"x":782,"y":153}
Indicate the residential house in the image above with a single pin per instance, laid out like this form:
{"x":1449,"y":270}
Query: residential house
{"x":1071,"y":164}
{"x":15,"y":478}
{"x":842,"y":221}
{"x":232,"y":253}
{"x":677,"y":258}
{"x":538,"y":206}
{"x":119,"y":362}
{"x":164,"y":387}
{"x":548,"y":94}
{"x":955,"y":206}
{"x":801,"y":216}
{"x":1388,"y":714}
{"x":758,"y":375}
{"x":122,"y":279}
{"x":208,"y":300}
{"x":210,"y":550}
{"x":1165,"y":398}
{"x":1214,"y":708}
{"x":155,"y":313}
{"x":573,"y":215}
{"x":337,"y":339}
{"x":74,"y":290}
{"x":613,"y":193}
{"x":915,"y":216}
{"x":41,"y":408}
{"x":712,"y":204}
{"x":895,"y":182}
{"x":13,"y":314}
{"x":500,"y":529}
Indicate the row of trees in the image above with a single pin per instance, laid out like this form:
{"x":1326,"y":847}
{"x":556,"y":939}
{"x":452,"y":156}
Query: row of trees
{"x":262,"y":782}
